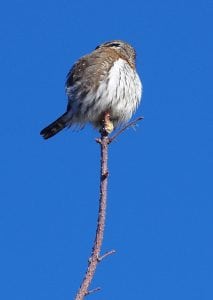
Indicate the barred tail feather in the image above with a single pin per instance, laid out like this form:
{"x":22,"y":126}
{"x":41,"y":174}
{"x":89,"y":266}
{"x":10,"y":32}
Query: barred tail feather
{"x":54,"y":127}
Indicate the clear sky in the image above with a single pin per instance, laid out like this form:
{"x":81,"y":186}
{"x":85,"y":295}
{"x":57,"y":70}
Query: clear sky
{"x":160,"y":206}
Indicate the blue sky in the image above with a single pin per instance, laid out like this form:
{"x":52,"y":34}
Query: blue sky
{"x":159,"y":216}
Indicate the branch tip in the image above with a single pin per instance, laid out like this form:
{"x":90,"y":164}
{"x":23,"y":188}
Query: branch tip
{"x":105,"y":255}
{"x":98,"y":140}
{"x":93,"y":291}
{"x":130,"y":124}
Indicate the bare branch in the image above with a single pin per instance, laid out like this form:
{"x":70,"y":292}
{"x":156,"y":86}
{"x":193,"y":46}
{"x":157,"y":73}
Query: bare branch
{"x":93,"y":291}
{"x":95,"y":258}
{"x":106,"y":254}
{"x":130,"y":124}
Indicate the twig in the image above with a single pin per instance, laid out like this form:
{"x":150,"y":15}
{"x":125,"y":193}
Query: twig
{"x":106,"y":254}
{"x":130,"y":124}
{"x":95,"y":258}
{"x":93,"y":291}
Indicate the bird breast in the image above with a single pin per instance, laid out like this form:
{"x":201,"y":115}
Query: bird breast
{"x":118,"y":92}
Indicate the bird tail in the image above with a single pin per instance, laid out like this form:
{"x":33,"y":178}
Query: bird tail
{"x":54,"y":127}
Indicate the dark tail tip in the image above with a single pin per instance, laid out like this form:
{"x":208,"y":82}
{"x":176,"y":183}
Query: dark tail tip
{"x":54,"y":128}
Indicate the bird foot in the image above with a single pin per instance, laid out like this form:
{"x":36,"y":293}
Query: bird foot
{"x":109,"y":127}
{"x":107,"y":124}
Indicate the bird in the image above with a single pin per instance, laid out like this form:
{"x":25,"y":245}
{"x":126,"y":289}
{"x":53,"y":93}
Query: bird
{"x":104,"y":81}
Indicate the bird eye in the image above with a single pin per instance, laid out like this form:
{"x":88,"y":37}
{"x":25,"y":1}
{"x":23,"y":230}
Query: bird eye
{"x":114,"y":45}
{"x":109,"y":45}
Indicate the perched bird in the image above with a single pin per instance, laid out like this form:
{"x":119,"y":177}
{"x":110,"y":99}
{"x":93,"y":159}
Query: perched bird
{"x":104,"y":81}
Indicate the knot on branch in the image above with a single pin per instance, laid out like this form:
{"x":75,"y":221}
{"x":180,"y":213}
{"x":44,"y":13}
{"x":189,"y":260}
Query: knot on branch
{"x":105,"y":175}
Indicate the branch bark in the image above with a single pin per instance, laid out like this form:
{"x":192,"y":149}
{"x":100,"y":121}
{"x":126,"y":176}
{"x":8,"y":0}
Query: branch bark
{"x":95,"y":257}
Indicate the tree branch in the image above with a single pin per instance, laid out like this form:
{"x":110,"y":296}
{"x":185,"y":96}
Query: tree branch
{"x":95,"y":257}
